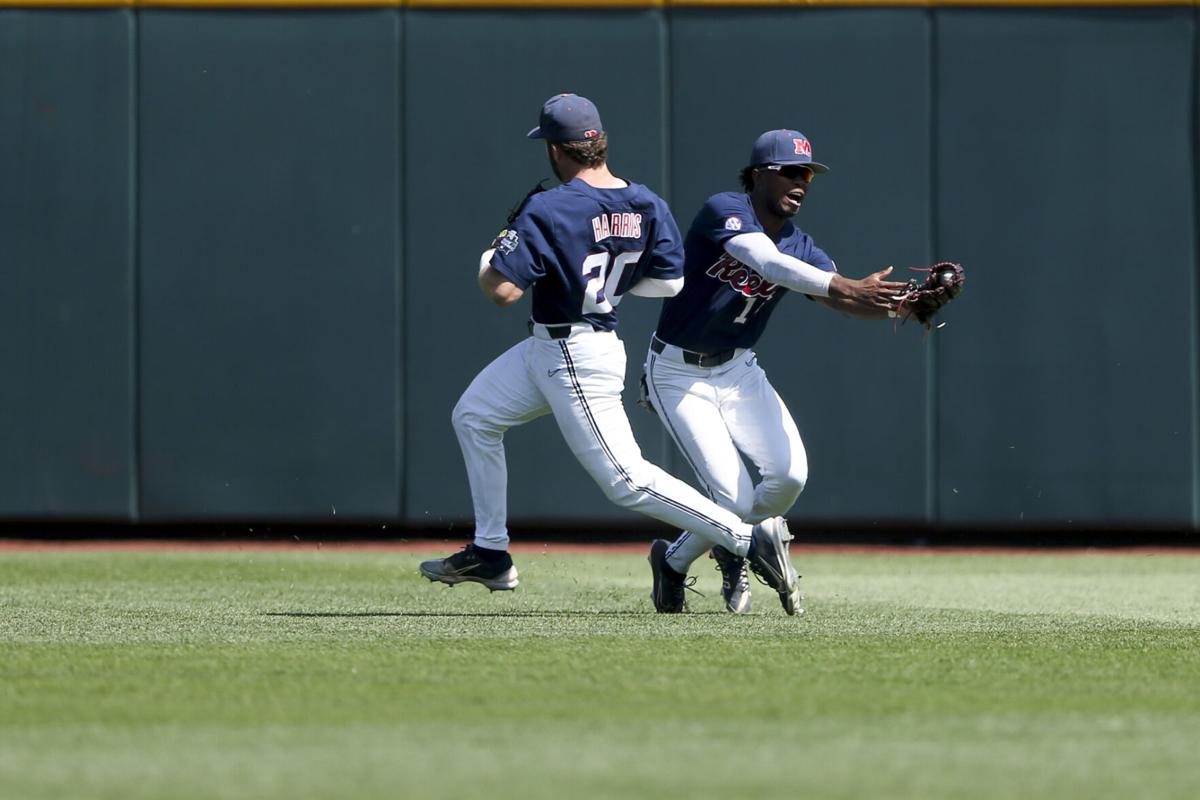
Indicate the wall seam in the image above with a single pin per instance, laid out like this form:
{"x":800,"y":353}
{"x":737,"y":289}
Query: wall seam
{"x":400,"y":318}
{"x":666,"y":448}
{"x":1195,"y":365}
{"x":136,"y":482}
{"x":665,"y":54}
{"x":931,"y":362}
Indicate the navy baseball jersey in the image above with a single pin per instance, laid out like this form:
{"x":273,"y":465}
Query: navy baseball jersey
{"x":724,"y":303}
{"x":581,"y":248}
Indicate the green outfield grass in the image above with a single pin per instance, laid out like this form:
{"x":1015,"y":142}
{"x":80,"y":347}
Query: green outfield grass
{"x":346,"y":675}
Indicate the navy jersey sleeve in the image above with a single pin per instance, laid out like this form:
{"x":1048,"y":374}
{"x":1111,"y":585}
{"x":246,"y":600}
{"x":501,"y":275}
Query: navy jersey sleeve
{"x":665,"y":257}
{"x":819,"y":258}
{"x":524,"y":246}
{"x":724,"y":216}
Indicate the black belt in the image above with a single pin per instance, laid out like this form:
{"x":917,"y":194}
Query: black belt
{"x":696,"y":359}
{"x":557,"y":331}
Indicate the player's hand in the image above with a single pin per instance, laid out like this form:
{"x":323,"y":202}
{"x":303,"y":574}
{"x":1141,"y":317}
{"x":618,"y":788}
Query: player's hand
{"x":872,"y":291}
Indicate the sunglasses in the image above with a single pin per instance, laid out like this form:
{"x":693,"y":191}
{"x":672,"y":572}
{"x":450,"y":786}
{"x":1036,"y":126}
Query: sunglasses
{"x":791,"y":171}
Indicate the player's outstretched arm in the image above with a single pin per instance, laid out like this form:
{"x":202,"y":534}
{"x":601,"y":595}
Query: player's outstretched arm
{"x":759,"y":252}
{"x":869,"y":297}
{"x":871,"y":292}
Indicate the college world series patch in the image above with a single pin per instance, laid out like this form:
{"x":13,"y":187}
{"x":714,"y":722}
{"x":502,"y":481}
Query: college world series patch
{"x":506,"y":241}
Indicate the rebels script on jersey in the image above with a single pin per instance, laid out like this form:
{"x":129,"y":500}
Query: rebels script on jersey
{"x":582,"y":247}
{"x":725,"y":304}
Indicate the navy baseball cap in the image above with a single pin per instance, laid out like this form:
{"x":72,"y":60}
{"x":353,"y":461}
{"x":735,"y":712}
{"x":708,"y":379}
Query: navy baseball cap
{"x":784,"y":147}
{"x":568,"y":118}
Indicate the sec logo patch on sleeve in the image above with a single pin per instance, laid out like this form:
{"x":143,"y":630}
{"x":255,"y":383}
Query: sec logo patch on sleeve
{"x":733,"y":224}
{"x":507,"y":241}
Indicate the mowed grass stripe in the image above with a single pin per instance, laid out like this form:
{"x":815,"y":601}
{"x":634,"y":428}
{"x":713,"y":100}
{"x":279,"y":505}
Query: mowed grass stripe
{"x":347,"y":675}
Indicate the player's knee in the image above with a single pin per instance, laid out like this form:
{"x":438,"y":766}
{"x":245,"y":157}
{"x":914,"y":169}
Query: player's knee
{"x":787,"y":486}
{"x":625,"y":489}
{"x":463,"y":418}
{"x":793,"y":482}
{"x":621,"y":493}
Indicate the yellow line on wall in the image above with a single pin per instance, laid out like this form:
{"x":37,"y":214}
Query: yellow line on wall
{"x":266,"y":3}
{"x":537,"y":3}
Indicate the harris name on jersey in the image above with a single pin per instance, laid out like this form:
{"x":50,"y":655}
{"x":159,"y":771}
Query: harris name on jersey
{"x":623,"y":225}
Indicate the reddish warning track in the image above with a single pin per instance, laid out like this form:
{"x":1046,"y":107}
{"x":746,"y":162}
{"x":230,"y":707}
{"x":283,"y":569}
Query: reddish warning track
{"x":557,"y":548}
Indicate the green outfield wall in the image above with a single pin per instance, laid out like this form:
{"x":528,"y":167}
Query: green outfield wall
{"x":238,"y":245}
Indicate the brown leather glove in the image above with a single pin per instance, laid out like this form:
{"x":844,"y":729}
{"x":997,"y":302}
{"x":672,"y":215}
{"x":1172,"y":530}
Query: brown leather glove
{"x":923,"y":300}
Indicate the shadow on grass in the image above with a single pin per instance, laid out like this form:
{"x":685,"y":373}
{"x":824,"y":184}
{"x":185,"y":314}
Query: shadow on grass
{"x":473,"y":613}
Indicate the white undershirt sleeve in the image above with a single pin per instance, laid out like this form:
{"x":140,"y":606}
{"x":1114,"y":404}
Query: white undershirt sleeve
{"x":759,"y":252}
{"x":485,"y":260}
{"x":657,"y":287}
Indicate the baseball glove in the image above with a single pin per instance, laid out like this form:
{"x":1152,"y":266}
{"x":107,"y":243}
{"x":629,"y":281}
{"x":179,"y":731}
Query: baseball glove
{"x":923,"y":300}
{"x":516,"y":212}
{"x":507,"y":240}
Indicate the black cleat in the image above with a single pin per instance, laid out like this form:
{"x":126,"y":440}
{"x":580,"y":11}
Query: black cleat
{"x":768,"y":557}
{"x":668,"y":584}
{"x":735,"y":583}
{"x":466,"y":565}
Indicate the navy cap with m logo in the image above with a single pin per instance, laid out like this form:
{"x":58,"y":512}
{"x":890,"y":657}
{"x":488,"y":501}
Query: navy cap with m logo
{"x":784,"y":147}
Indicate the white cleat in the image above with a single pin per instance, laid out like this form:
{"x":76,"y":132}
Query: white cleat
{"x":769,"y":559}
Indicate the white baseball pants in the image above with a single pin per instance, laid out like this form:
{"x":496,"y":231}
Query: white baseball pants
{"x":715,"y":416}
{"x":579,"y":380}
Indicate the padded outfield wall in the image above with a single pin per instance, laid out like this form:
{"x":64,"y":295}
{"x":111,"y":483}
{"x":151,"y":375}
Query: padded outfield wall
{"x":238,"y":248}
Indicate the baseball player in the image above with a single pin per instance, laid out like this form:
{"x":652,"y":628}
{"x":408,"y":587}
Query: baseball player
{"x":701,"y":375}
{"x":581,"y":247}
